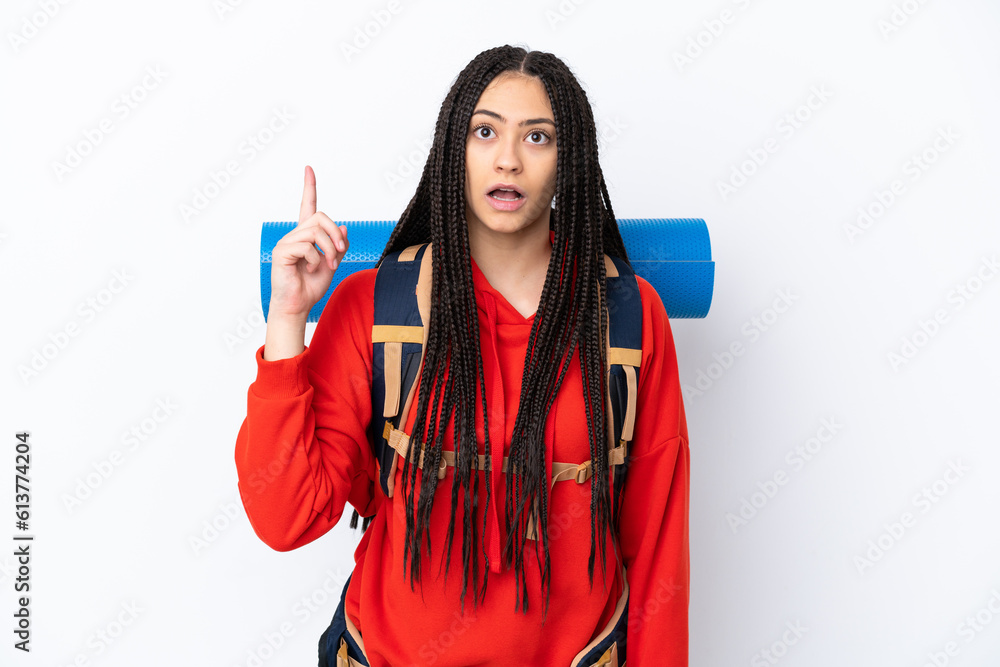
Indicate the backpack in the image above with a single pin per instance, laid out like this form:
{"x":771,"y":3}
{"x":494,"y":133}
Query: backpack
{"x":399,"y":336}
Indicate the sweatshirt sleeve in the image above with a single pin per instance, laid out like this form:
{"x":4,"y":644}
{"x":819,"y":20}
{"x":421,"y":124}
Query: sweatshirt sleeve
{"x":654,"y":523}
{"x":302,"y":451}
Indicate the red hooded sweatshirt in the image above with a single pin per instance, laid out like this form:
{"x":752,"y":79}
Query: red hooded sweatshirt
{"x":306,"y":424}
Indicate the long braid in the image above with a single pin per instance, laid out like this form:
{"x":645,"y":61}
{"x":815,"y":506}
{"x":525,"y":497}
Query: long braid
{"x":571,"y":315}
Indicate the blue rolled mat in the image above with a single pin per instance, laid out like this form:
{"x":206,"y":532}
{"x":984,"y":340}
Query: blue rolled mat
{"x":673,"y":254}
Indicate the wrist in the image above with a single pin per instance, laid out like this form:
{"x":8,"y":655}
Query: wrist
{"x":285,"y":337}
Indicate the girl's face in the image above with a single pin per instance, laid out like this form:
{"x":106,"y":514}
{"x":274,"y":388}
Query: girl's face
{"x":511,"y":145}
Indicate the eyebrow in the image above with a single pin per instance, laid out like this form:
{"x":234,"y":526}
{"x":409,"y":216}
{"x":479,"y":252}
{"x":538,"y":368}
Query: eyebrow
{"x":530,"y":121}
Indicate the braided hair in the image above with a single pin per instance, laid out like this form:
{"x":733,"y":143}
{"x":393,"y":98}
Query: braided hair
{"x":570,"y":313}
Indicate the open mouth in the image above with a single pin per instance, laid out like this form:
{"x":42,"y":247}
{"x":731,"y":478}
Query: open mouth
{"x":503,"y":194}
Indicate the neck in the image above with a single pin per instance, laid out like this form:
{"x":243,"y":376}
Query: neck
{"x":512,"y":261}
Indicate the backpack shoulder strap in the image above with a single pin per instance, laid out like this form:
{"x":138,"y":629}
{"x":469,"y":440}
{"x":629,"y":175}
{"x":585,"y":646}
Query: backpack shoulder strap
{"x":399,"y":337}
{"x":624,"y":350}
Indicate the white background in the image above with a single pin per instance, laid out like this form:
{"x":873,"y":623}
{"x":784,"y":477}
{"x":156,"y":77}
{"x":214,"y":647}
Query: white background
{"x":184,"y":323}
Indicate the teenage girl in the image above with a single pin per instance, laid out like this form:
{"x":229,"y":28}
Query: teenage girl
{"x":514,"y":206}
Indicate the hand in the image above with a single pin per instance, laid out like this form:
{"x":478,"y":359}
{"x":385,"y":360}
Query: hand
{"x":300,"y":275}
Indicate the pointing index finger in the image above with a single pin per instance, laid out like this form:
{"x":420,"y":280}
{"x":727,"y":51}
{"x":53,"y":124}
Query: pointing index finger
{"x":308,"y":196}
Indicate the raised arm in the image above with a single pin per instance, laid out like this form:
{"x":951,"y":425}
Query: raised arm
{"x":302,"y":452}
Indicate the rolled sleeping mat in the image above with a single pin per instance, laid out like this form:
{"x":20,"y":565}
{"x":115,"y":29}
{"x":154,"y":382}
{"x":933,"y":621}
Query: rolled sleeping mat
{"x":673,"y":254}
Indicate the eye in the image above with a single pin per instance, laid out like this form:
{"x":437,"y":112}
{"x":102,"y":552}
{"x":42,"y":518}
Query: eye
{"x":482,"y":131}
{"x":538,"y":137}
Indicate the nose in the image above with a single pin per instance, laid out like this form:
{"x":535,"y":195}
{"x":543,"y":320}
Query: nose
{"x":508,"y":157}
